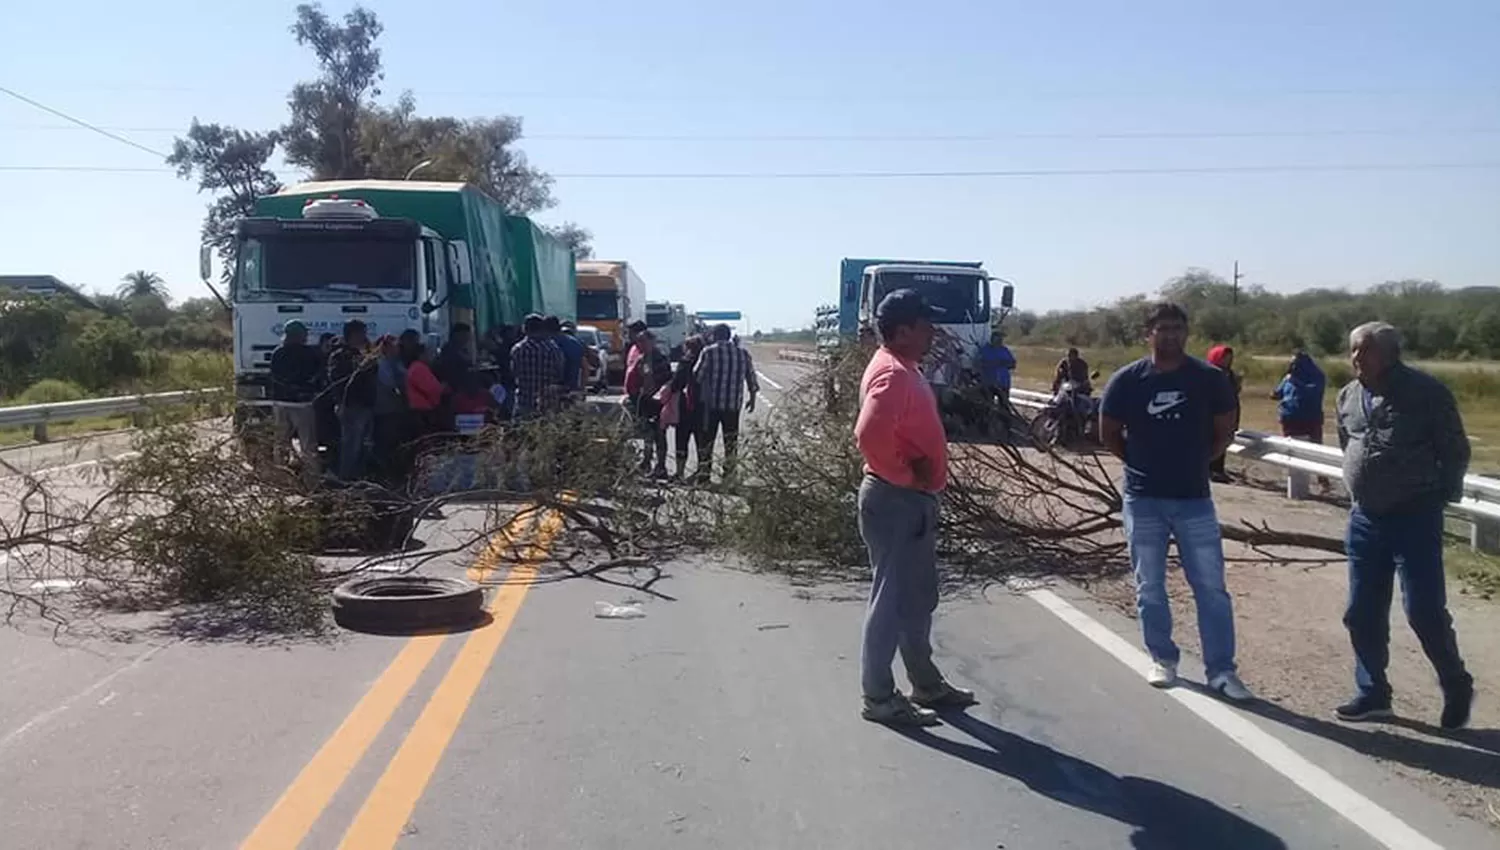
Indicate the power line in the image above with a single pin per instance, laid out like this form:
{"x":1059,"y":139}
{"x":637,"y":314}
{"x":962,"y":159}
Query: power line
{"x":902,"y":175}
{"x":963,"y":137}
{"x":82,"y":123}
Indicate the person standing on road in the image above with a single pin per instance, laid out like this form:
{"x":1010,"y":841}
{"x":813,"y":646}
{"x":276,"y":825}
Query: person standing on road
{"x":900,"y":435}
{"x":724,"y":372}
{"x":296,"y":372}
{"x":537,"y":364}
{"x":1168,"y":416}
{"x":996,"y":362}
{"x":353,"y":380}
{"x":1405,"y":455}
{"x":572,"y":352}
{"x":1221,"y":357}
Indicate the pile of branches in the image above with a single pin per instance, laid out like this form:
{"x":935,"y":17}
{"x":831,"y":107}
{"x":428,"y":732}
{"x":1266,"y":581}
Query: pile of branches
{"x":201,"y":522}
{"x":1011,"y":508}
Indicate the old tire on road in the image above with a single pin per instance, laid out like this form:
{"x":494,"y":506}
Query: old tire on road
{"x":397,"y":604}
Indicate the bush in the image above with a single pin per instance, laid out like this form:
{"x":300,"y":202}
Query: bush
{"x":52,"y":391}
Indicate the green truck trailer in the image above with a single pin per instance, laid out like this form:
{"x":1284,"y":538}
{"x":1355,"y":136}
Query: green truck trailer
{"x":397,"y":255}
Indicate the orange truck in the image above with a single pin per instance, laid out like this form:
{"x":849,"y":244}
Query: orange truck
{"x":611,"y":296}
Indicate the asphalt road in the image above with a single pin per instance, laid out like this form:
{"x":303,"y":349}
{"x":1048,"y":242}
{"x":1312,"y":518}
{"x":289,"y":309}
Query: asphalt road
{"x":728,"y":718}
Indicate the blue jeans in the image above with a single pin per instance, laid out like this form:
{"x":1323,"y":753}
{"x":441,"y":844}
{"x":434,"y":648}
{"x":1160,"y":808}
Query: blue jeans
{"x":1149,"y":523}
{"x":356,"y":426}
{"x":1381,"y":547}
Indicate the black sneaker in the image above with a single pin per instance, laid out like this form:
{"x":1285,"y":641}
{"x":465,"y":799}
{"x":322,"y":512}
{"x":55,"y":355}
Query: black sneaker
{"x":1456,"y":705}
{"x":1365,"y":708}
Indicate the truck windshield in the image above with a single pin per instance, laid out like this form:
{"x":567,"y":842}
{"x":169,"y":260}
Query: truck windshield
{"x":961,"y":297}
{"x":598,"y":304}
{"x":658,"y":318}
{"x":326,"y":266}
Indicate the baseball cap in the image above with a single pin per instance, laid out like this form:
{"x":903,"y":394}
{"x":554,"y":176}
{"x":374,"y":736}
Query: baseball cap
{"x":903,"y":307}
{"x":293,"y":327}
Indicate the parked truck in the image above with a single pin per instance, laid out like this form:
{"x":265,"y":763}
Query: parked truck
{"x":610,"y":297}
{"x":669,"y":322}
{"x":397,"y":255}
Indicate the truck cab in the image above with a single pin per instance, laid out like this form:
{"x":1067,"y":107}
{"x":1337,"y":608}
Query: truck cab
{"x":669,"y":323}
{"x":960,"y":295}
{"x":340,"y":261}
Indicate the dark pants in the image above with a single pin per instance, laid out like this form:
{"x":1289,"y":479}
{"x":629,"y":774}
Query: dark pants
{"x":390,"y":444}
{"x":1382,"y":547}
{"x":356,"y":426}
{"x":713,"y":420}
{"x":899,"y":527}
{"x":654,"y":438}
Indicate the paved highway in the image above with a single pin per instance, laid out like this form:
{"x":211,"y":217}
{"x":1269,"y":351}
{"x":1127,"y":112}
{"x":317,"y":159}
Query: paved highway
{"x":728,"y":719}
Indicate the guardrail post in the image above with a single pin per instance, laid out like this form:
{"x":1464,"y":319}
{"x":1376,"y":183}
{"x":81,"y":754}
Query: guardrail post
{"x":1298,"y":482}
{"x":39,"y":432}
{"x":1484,"y":535}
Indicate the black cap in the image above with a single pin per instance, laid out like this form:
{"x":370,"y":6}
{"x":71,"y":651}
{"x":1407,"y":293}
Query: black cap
{"x":904,"y":307}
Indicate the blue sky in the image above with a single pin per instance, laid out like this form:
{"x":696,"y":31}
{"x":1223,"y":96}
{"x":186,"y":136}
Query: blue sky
{"x":1048,"y":87}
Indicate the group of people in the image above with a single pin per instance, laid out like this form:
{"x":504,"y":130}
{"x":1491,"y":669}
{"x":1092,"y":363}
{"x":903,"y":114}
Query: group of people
{"x":365,"y":405}
{"x":698,"y":397}
{"x":1169,"y":416}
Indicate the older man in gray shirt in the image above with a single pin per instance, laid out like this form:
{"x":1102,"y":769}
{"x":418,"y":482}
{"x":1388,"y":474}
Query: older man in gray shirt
{"x":1405,"y":454}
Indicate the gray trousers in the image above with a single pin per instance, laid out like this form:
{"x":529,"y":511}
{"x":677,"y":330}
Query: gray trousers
{"x":899,"y":527}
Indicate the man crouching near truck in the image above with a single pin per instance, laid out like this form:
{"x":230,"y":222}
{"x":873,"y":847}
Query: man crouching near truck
{"x":901,"y":437}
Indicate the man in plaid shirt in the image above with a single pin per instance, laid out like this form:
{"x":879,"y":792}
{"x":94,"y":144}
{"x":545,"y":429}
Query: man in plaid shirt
{"x":537,"y":366}
{"x":723,"y":373}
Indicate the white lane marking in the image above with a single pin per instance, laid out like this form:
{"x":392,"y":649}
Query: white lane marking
{"x":767,"y":378}
{"x":68,"y":703}
{"x":1387,"y":829}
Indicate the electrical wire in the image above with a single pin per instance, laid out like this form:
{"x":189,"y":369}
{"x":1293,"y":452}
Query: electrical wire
{"x":80,"y":122}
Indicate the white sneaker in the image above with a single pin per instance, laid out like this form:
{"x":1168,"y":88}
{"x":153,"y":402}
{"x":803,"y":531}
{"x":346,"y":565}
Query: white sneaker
{"x":1229,"y":686}
{"x":1162,"y":675}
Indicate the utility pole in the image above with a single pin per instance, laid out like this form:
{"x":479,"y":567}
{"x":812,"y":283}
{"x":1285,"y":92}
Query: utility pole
{"x":1234,"y":292}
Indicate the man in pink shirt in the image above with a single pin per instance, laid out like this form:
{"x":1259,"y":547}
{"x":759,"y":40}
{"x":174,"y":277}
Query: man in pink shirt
{"x":900,"y":435}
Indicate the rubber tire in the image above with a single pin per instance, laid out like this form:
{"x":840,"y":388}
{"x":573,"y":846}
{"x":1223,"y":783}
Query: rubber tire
{"x":1046,"y":430}
{"x":452,"y":603}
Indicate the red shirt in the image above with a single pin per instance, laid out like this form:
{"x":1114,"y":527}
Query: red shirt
{"x":423,"y":392}
{"x":898,"y":422}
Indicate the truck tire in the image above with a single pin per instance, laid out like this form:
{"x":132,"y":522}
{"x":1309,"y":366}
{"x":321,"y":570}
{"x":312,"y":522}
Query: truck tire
{"x":403,"y":604}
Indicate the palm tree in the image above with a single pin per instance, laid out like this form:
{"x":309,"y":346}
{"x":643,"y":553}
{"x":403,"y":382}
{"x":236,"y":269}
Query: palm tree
{"x":140,"y":284}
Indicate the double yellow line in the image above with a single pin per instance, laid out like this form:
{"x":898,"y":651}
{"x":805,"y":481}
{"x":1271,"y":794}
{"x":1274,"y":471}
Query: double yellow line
{"x":389,"y":806}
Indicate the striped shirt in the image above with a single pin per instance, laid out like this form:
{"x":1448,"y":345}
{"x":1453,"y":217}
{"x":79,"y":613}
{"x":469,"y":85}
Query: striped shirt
{"x":723,"y":371}
{"x":537,"y":365}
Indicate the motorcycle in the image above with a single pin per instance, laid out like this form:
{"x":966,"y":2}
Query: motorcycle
{"x":1072,"y":415}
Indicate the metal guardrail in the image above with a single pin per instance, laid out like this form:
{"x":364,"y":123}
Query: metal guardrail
{"x":1480,"y":506}
{"x":39,"y":415}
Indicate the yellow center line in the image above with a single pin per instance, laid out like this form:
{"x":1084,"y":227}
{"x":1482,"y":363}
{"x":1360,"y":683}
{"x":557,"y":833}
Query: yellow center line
{"x":384,"y":815}
{"x":299,"y":807}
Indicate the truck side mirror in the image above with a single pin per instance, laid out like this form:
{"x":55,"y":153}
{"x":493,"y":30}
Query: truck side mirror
{"x":1007,"y":296}
{"x":206,"y":262}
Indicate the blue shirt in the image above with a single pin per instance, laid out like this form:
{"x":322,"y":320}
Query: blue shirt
{"x":995,"y":363}
{"x":572,"y":351}
{"x":1300,"y":393}
{"x":1169,"y":425}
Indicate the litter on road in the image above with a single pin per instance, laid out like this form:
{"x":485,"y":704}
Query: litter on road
{"x":610,"y":611}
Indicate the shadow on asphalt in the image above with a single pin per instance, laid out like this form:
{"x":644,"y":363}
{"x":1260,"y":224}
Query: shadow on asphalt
{"x":1473,"y":755}
{"x":1165,"y":818}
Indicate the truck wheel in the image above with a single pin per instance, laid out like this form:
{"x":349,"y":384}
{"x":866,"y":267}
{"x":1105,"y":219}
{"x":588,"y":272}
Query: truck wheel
{"x":403,"y":604}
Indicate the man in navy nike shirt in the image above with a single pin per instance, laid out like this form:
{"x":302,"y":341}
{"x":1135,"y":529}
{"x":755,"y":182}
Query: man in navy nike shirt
{"x":1168,"y":415}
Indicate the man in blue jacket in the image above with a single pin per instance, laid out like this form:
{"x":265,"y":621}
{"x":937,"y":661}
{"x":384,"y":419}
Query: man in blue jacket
{"x":1299,"y":399}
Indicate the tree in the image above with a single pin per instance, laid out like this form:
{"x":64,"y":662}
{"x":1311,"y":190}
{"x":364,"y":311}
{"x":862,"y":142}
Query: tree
{"x":480,"y":151}
{"x":149,"y":311}
{"x":142,"y":284}
{"x":322,"y":134}
{"x":228,"y":161}
{"x":578,"y":239}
